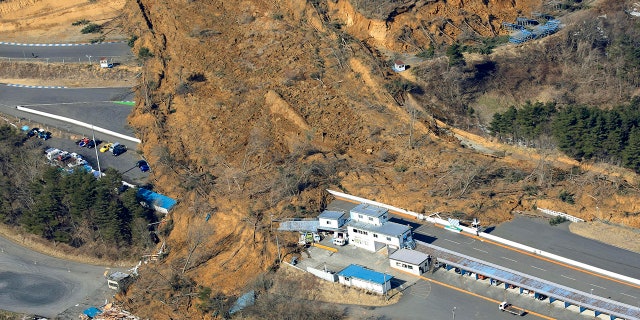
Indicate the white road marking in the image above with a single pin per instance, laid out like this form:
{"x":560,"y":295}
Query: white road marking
{"x":456,"y":242}
{"x":480,"y":250}
{"x":509,"y":259}
{"x":538,"y":268}
{"x":628,"y":295}
{"x":562,"y":275}
{"x":591,"y":284}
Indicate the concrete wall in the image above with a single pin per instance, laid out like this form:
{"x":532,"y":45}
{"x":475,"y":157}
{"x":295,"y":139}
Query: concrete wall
{"x":322,"y":274}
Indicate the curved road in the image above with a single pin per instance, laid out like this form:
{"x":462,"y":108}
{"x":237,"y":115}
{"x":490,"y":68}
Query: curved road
{"x":31,"y":282}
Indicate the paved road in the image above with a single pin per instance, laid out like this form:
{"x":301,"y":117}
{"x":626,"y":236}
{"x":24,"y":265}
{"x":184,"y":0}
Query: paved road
{"x":91,"y":105}
{"x":34,"y":283}
{"x":544,"y":269}
{"x":115,"y":49}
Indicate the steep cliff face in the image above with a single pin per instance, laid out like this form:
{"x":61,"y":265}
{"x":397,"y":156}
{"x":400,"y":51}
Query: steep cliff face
{"x":411,"y":26}
{"x":249,"y":109}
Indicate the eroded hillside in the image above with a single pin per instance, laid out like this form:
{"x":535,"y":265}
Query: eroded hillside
{"x":250,"y":109}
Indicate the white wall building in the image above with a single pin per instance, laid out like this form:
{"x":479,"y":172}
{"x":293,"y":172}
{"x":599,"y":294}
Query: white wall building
{"x":411,"y":261}
{"x":332,"y":220}
{"x":370,"y":214}
{"x":375,"y":237}
{"x":361,"y":277}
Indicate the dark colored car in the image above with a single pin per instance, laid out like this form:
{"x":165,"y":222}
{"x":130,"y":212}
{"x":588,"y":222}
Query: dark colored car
{"x":44,"y":135}
{"x":143,"y":165}
{"x":119,"y":149}
{"x":32,"y":132}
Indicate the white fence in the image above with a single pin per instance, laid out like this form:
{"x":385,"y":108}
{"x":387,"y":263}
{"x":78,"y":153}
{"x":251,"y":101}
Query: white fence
{"x":497,"y":239}
{"x":561,"y":214}
{"x":79,"y":123}
{"x":325,"y":275}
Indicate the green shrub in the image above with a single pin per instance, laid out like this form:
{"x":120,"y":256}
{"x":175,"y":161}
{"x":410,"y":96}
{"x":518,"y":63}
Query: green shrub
{"x":91,"y":28}
{"x":567,"y":197}
{"x":557,"y":220}
{"x":144,"y":53}
{"x":132,"y":41}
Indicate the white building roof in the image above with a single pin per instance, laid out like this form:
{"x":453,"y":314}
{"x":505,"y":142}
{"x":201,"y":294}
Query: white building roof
{"x":388,"y":228}
{"x":369,"y":210}
{"x":409,"y":256}
{"x":332,"y":215}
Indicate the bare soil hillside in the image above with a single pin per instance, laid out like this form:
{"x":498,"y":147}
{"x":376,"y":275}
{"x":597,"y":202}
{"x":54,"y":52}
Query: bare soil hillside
{"x":248,"y":110}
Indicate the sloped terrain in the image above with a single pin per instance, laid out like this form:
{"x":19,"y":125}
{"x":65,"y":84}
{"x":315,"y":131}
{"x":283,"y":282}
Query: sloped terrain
{"x":248,"y":110}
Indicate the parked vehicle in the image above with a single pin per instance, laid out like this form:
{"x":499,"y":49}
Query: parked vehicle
{"x":339,"y":241}
{"x":505,"y":306}
{"x":106,"y":147}
{"x":118,"y":149}
{"x":143,"y":165}
{"x":44,"y":135}
{"x":32,"y":132}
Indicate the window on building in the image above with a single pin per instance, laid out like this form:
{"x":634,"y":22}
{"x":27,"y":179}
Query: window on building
{"x":370,"y":218}
{"x":375,"y":235}
{"x":328,"y":222}
{"x":355,"y":230}
{"x":410,"y":267}
{"x":388,"y":238}
{"x":360,"y":216}
{"x":398,"y":264}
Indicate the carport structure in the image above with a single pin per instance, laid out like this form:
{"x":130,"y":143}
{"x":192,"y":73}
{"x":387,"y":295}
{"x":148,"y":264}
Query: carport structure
{"x":569,"y":296}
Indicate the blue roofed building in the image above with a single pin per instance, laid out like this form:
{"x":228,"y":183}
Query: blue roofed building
{"x":159,"y":202}
{"x":361,"y":277}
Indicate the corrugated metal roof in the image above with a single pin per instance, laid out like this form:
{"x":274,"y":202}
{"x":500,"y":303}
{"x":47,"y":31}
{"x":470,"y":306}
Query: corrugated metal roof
{"x":156,"y":199}
{"x":360,"y":272}
{"x":369,"y":210}
{"x":300,"y":225}
{"x":333,"y":215}
{"x":535,"y":284}
{"x":409,"y":256}
{"x":388,"y":228}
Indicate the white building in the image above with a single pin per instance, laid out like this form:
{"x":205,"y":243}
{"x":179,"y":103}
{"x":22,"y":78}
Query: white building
{"x":375,"y":237}
{"x":118,"y":280}
{"x":370,"y":214}
{"x":399,"y":66}
{"x":361,"y":277}
{"x":332,"y":220}
{"x":411,"y":261}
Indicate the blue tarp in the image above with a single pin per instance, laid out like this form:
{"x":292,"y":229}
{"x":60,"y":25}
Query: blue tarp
{"x":92,"y":312}
{"x":356,"y":271}
{"x":156,"y":199}
{"x":245,"y":300}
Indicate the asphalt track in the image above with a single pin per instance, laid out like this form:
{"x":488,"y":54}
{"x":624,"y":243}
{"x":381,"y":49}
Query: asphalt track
{"x":34,"y":283}
{"x":74,"y":52}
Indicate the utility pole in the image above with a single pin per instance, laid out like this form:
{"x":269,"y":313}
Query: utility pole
{"x":95,"y":146}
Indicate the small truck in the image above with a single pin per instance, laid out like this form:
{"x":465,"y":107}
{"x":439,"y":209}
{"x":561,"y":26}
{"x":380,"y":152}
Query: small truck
{"x":506,"y":306}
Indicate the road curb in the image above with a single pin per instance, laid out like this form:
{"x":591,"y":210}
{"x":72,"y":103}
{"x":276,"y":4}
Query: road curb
{"x":34,"y":87}
{"x":56,"y":44}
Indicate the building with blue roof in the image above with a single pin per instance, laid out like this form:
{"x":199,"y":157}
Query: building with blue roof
{"x":159,"y":202}
{"x":361,"y":277}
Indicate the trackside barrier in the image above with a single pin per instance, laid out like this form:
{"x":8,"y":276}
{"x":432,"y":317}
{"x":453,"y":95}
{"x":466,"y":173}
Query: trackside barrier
{"x":79,"y":123}
{"x":492,"y":238}
{"x":321,"y":246}
{"x":323,"y":274}
{"x":559,"y":258}
{"x":561,"y":214}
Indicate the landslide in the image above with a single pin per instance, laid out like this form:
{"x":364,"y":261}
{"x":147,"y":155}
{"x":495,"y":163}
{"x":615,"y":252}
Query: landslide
{"x":248,"y":110}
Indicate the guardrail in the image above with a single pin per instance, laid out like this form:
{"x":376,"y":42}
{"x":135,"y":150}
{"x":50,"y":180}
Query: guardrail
{"x":491,"y":237}
{"x":561,"y":214}
{"x":79,"y":123}
{"x":84,"y":60}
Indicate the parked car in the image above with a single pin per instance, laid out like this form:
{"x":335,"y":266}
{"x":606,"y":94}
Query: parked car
{"x":32,"y":132}
{"x":143,"y":165}
{"x":119,"y":149}
{"x":106,"y":147}
{"x":44,"y":135}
